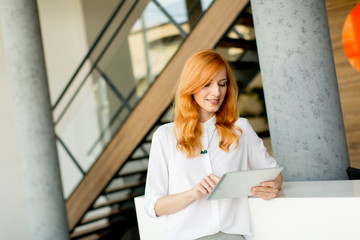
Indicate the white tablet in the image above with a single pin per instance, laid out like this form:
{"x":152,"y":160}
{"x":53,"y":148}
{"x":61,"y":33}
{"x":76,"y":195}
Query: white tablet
{"x":238,"y":184}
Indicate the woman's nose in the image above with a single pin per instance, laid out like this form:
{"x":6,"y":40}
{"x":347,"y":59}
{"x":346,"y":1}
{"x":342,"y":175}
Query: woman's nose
{"x":215,"y":90}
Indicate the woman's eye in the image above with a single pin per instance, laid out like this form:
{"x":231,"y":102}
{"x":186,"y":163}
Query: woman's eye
{"x":222,"y":84}
{"x":207,"y":85}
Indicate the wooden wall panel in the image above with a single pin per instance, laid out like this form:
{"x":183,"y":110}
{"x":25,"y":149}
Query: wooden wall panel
{"x":348,"y":77}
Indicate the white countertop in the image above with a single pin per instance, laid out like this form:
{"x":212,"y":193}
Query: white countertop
{"x":311,"y":210}
{"x":320,"y":189}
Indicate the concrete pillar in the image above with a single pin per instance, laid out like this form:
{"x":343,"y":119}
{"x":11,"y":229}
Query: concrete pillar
{"x":33,"y":120}
{"x":300,"y":85}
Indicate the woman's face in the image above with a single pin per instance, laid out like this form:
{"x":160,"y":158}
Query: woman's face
{"x":211,"y":96}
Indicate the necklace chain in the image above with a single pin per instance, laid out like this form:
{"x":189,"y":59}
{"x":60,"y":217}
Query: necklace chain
{"x":205,"y":150}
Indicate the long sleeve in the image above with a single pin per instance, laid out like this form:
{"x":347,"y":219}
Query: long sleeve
{"x":157,"y":177}
{"x":258,"y":157}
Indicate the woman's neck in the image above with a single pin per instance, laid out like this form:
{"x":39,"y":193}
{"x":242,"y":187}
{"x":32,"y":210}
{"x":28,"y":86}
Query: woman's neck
{"x":205,"y":117}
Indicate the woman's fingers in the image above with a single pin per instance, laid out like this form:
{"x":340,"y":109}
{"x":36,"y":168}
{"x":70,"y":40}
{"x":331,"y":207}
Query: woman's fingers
{"x":201,"y":189}
{"x":214,"y":178}
{"x":208,"y":183}
{"x":268,"y":190}
{"x":271,"y":184}
{"x":208,"y":186}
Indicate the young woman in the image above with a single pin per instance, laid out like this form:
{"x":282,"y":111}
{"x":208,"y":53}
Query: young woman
{"x":206,"y":140}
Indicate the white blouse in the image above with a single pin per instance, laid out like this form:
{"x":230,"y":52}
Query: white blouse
{"x":170,"y":172}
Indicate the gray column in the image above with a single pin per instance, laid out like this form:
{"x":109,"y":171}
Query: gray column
{"x":301,"y":92}
{"x":33,"y":120}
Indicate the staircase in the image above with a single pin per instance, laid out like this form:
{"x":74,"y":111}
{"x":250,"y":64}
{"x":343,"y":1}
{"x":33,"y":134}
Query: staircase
{"x":101,"y":206}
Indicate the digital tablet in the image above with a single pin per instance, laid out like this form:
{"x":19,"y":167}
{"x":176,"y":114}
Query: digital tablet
{"x":238,"y":184}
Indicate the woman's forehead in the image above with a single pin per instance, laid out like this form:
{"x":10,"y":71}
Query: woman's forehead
{"x":221,"y":73}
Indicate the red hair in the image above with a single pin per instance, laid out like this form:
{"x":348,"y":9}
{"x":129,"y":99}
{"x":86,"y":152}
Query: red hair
{"x":198,"y":70}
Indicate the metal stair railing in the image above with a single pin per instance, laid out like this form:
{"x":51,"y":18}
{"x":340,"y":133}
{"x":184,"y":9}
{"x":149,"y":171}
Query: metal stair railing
{"x":83,"y":72}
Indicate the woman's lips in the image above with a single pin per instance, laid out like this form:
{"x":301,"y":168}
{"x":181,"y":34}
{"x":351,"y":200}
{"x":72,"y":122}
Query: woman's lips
{"x":213,"y":101}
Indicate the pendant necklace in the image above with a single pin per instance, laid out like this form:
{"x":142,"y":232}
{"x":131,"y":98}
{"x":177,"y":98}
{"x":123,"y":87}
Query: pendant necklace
{"x":212,"y":134}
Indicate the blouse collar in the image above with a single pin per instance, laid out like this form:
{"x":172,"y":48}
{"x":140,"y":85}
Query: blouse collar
{"x":209,"y":124}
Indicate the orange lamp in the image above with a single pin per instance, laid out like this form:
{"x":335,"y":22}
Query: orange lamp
{"x":351,"y":37}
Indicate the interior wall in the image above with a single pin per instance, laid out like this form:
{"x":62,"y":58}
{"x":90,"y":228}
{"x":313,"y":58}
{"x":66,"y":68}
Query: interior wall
{"x":64,"y":40}
{"x":348,"y":77}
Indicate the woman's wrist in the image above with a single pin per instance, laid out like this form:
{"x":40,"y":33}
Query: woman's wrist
{"x":195,"y":194}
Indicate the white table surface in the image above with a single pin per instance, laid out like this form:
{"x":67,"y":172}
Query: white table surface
{"x":322,"y":189}
{"x":311,"y":210}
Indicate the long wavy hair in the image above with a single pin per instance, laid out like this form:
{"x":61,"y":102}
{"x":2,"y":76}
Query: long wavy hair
{"x":198,"y":70}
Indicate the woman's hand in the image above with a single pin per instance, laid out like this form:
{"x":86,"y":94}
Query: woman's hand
{"x":268,"y":190}
{"x":170,"y":204}
{"x":206,"y":185}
